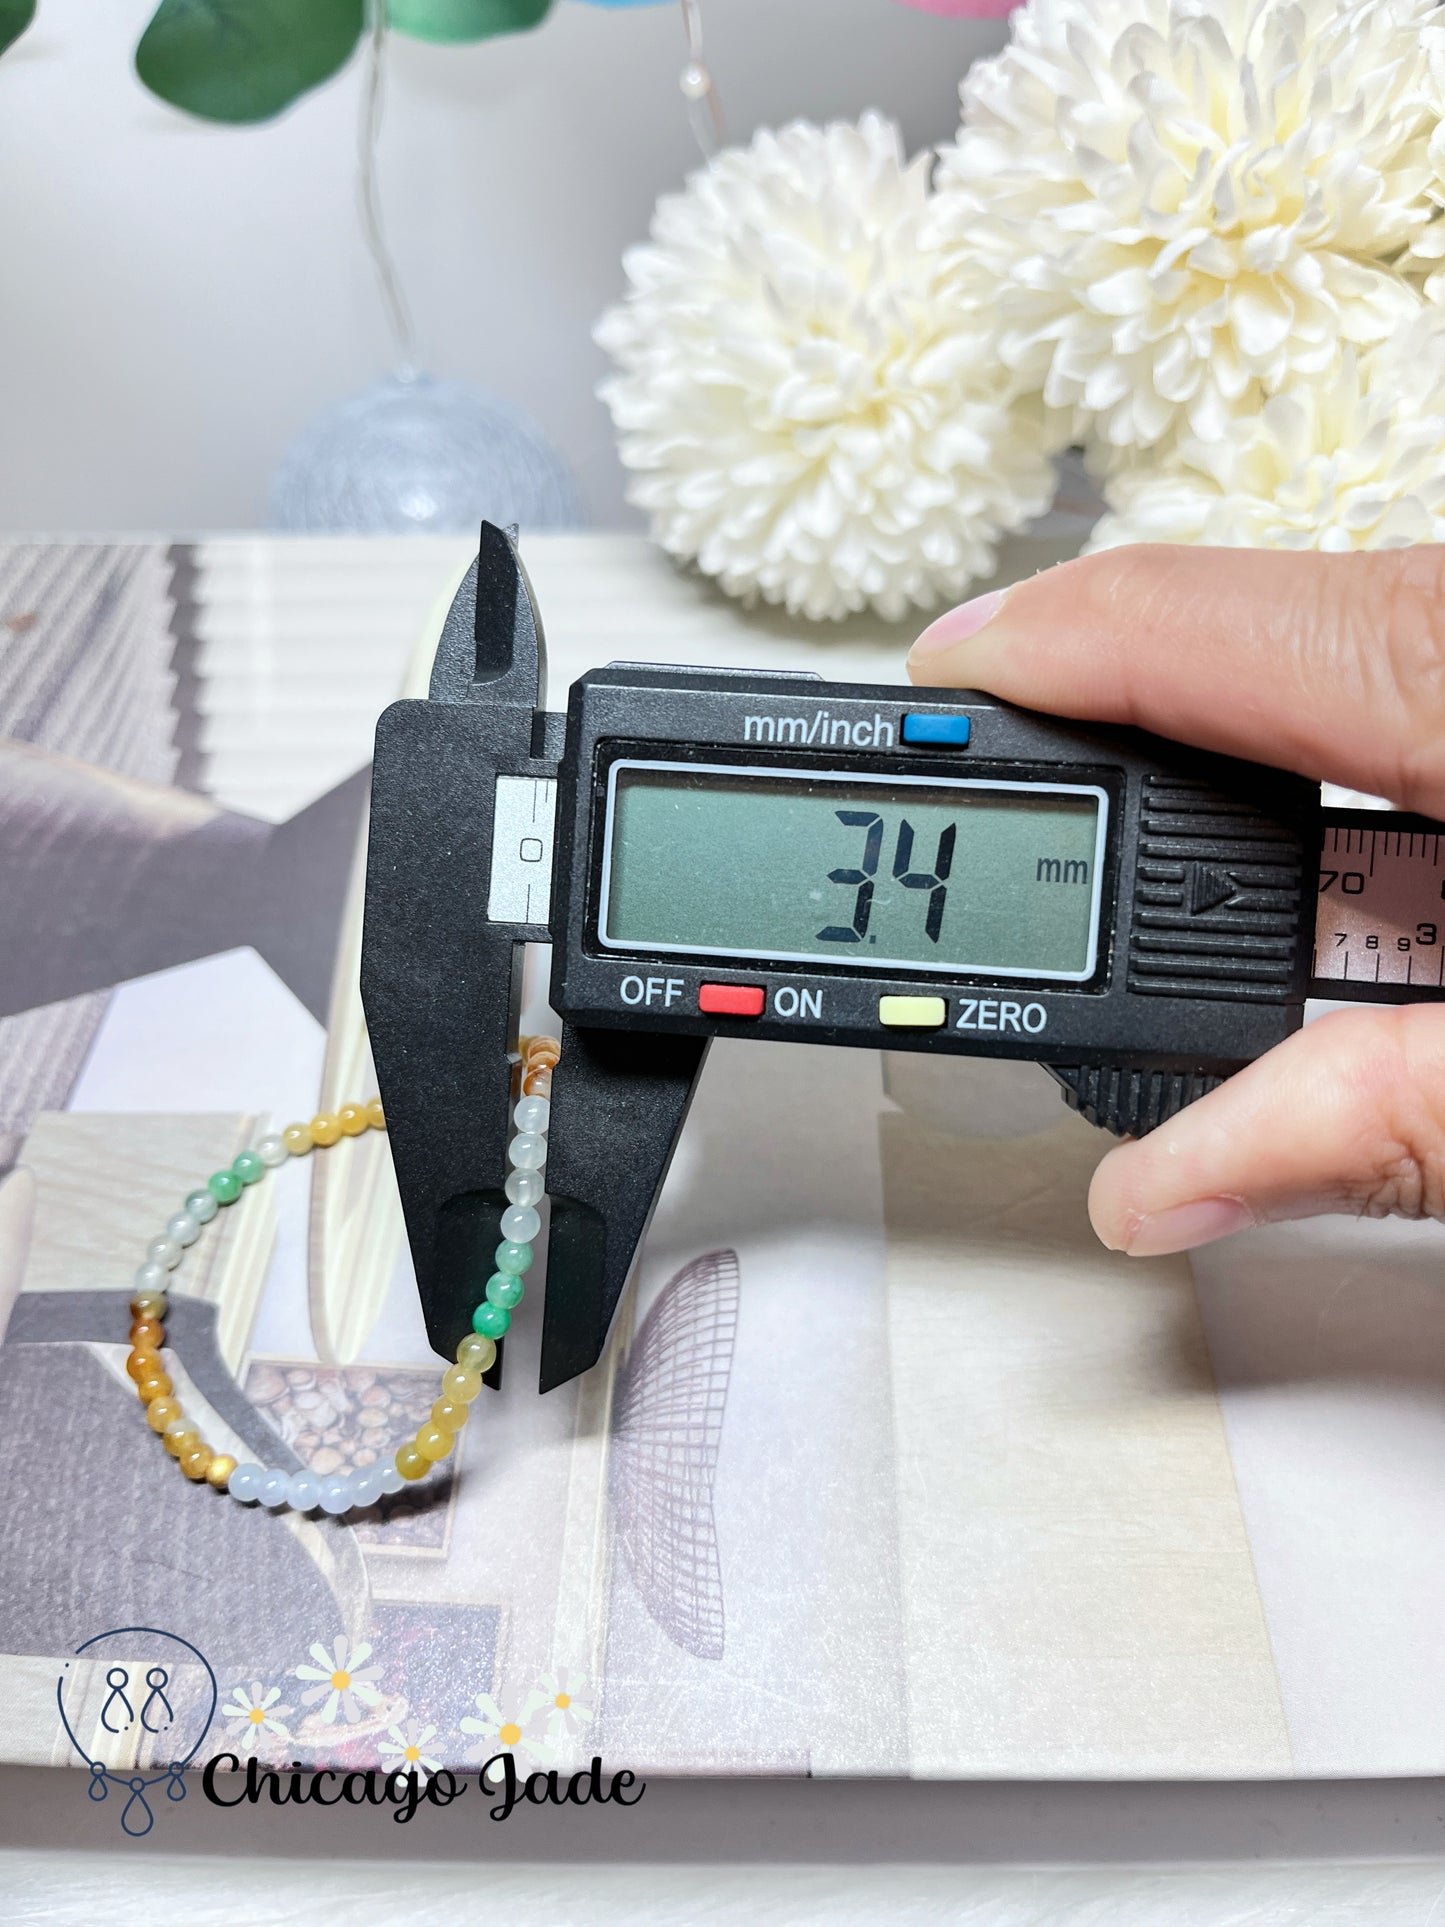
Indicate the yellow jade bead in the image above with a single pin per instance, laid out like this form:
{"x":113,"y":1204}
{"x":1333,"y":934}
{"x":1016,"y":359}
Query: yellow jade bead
{"x":158,"y":1385}
{"x":218,"y":1472}
{"x":162,"y":1412}
{"x":478,"y":1354}
{"x":352,"y":1119}
{"x":148,"y":1304}
{"x":147,"y":1334}
{"x":197,"y":1462}
{"x":144,"y":1362}
{"x":325,"y":1128}
{"x":450,"y":1414}
{"x":179,"y":1437}
{"x":297,"y":1139}
{"x":410,"y":1462}
{"x":375,"y":1115}
{"x":461,"y":1384}
{"x":433,"y":1442}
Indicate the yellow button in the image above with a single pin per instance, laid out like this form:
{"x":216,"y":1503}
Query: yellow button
{"x":912,"y":1013}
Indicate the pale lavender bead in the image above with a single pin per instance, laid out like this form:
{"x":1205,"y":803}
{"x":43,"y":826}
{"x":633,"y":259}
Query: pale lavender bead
{"x":391,"y":1479}
{"x":202,"y":1206}
{"x":245,"y":1483}
{"x":336,"y":1494}
{"x":531,"y":1114}
{"x":164,"y":1251}
{"x":183,"y":1228}
{"x":152,"y":1277}
{"x":525,"y":1187}
{"x":367,"y":1485}
{"x":271,"y":1149}
{"x":520,"y":1222}
{"x":303,"y":1491}
{"x":528,"y":1152}
{"x":273,"y":1488}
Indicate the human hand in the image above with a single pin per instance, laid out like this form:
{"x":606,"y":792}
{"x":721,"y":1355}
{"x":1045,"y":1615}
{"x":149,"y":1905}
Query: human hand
{"x":1330,"y":665}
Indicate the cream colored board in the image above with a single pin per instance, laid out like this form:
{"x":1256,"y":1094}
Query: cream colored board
{"x":1079,"y":1595}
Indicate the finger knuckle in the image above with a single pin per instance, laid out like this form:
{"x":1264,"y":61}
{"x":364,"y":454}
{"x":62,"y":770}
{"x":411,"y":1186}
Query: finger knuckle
{"x":1398,"y":623}
{"x":1401,"y":1105}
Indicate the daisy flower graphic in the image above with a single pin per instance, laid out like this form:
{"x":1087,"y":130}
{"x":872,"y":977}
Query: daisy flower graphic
{"x":404,"y":1751}
{"x":561,"y":1698}
{"x":344,"y":1680}
{"x":252,"y":1714}
{"x":524,"y":1735}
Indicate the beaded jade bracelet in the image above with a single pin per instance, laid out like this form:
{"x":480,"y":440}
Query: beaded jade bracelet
{"x":304,"y":1491}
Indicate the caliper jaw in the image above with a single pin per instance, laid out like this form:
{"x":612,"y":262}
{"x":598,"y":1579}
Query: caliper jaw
{"x":437,"y":975}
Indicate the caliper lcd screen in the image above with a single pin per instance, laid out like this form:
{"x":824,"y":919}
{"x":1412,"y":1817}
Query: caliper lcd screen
{"x":931,"y":873}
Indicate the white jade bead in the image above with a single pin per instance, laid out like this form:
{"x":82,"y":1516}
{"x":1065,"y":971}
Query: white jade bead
{"x":152,"y":1277}
{"x":531,"y":1114}
{"x":164,"y":1251}
{"x":273,"y":1488}
{"x":391,"y":1479}
{"x":528,"y":1152}
{"x":367,"y":1485}
{"x":303,"y":1491}
{"x":202,"y":1206}
{"x":272,"y":1149}
{"x":245,"y":1483}
{"x":525,"y":1187}
{"x":336,"y":1494}
{"x":183,"y":1228}
{"x":521,"y":1222}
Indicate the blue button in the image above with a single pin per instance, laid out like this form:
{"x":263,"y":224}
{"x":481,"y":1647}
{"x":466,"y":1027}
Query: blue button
{"x":919,"y":728}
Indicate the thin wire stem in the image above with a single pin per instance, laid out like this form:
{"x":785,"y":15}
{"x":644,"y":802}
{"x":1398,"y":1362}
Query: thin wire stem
{"x":373,"y":96}
{"x":704,"y":109}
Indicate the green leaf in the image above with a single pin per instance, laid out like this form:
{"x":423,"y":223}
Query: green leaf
{"x":244,"y":60}
{"x":463,"y":19}
{"x":15,"y":17}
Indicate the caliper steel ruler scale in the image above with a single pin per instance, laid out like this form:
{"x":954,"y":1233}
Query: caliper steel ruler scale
{"x":714,"y":852}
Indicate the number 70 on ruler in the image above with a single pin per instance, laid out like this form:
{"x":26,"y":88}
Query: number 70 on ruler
{"x":1381,"y":910}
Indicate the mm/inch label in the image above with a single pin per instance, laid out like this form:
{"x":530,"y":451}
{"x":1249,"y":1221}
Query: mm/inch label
{"x":1380,"y":920}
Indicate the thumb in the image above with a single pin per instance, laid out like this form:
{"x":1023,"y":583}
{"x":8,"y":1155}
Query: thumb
{"x":1329,"y":665}
{"x":1348,"y":1115}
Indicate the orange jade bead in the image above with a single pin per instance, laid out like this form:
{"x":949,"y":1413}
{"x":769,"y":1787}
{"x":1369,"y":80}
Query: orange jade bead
{"x":148,"y":1334}
{"x":197,"y":1462}
{"x":144,"y":1362}
{"x":352,"y":1119}
{"x":161,"y":1411}
{"x":179,"y":1443}
{"x":158,"y":1385}
{"x":325,"y":1128}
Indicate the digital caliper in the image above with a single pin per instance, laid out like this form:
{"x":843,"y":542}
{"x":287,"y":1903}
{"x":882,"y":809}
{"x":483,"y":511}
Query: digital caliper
{"x":714,"y":852}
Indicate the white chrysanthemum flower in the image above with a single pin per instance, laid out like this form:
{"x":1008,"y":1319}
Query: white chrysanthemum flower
{"x":1186,"y":204}
{"x":1427,"y":250}
{"x":807,"y":417}
{"x":1355,"y":462}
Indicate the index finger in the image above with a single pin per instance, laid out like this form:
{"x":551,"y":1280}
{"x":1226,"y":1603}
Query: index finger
{"x":1329,"y":665}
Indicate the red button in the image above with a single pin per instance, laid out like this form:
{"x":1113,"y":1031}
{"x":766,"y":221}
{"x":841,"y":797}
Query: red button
{"x":731,"y":1000}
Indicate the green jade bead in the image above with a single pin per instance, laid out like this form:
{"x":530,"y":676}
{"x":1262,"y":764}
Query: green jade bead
{"x":512,"y":1257}
{"x":491,"y":1321}
{"x":224,"y":1186}
{"x":504,"y":1290}
{"x":248,"y":1167}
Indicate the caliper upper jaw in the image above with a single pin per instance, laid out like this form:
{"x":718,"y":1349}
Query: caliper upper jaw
{"x":437,"y":977}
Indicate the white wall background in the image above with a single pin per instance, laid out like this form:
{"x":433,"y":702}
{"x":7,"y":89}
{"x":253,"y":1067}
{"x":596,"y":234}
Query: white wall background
{"x":177,"y":299}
